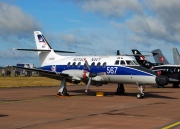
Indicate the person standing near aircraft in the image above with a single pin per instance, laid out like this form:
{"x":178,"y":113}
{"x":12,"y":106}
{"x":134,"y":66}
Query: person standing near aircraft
{"x":3,"y":72}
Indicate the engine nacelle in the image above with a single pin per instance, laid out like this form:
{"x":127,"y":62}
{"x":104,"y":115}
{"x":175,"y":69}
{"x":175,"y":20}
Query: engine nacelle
{"x":79,"y":74}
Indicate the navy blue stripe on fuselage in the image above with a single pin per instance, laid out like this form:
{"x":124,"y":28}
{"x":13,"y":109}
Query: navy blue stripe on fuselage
{"x":109,"y":70}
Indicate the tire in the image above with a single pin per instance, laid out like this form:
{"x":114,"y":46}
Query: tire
{"x":139,"y":96}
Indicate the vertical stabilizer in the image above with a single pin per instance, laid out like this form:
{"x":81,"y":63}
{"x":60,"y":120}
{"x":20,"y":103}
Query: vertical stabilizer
{"x":42,"y":44}
{"x":159,"y":57}
{"x":176,"y":56}
{"x":141,"y":59}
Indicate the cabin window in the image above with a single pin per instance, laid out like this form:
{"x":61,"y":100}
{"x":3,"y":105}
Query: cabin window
{"x":129,"y":62}
{"x":171,"y":70}
{"x":174,"y":69}
{"x":104,"y":64}
{"x":117,"y":62}
{"x":123,"y":62}
{"x":93,"y":64}
{"x":73,"y":65}
{"x":98,"y":64}
{"x":68,"y":65}
{"x":79,"y":64}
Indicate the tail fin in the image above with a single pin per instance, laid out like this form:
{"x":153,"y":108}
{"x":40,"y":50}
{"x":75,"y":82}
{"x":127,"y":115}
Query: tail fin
{"x":159,"y":57}
{"x":42,"y":44}
{"x":176,"y":56}
{"x":141,"y":59}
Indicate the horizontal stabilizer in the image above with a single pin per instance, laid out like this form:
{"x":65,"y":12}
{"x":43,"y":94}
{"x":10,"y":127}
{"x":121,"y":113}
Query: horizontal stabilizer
{"x":42,"y":50}
{"x":133,"y":55}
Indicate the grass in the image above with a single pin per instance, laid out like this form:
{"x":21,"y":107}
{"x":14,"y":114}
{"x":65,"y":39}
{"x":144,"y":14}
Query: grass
{"x":22,"y":81}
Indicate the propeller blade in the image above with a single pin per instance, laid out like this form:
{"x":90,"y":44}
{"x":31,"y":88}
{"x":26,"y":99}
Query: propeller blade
{"x":87,"y":64}
{"x":88,"y":84}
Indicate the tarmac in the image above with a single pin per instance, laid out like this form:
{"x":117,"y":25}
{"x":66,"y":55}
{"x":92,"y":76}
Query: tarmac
{"x":39,"y":107}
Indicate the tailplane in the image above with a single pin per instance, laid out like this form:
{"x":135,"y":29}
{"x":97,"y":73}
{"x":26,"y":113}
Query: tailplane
{"x":159,"y":57}
{"x":45,"y":51}
{"x":176,"y":56}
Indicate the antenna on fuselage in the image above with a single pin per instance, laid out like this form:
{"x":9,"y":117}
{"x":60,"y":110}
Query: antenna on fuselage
{"x":118,"y":53}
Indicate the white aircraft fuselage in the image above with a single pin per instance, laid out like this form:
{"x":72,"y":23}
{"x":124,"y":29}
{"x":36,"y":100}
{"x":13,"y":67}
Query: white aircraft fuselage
{"x":92,"y":70}
{"x":113,"y":73}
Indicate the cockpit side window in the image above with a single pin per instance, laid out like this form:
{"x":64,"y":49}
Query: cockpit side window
{"x":129,"y":62}
{"x":123,"y":62}
{"x":117,"y":62}
{"x":135,"y":62}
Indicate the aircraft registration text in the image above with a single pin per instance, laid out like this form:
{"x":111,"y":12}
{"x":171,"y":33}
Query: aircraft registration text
{"x":111,"y":70}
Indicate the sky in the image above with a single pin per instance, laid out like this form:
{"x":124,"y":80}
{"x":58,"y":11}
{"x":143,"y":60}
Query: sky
{"x":88,"y":27}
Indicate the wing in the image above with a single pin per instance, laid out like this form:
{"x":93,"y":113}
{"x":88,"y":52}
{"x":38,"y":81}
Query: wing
{"x":70,"y":75}
{"x":46,"y":73}
{"x":173,"y":80}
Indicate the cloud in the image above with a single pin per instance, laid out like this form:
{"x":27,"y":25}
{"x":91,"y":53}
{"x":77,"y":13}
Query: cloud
{"x":9,"y":54}
{"x":152,"y":19}
{"x":16,"y":29}
{"x":167,"y":12}
{"x":13,"y":21}
{"x":115,"y":8}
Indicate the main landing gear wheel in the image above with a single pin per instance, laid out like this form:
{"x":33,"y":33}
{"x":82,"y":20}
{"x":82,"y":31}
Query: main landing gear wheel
{"x":64,"y":93}
{"x":140,"y":96}
{"x":175,"y":85}
{"x":120,"y":90}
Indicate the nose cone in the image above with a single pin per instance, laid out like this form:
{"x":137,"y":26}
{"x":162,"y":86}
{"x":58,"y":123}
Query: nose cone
{"x":162,"y":80}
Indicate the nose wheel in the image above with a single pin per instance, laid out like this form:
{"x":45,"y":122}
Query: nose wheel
{"x":141,"y":95}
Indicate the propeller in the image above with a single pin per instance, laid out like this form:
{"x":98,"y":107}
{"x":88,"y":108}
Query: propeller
{"x":91,"y":75}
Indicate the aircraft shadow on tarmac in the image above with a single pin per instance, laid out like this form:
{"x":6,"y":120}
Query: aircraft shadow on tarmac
{"x":2,"y":115}
{"x":111,"y":94}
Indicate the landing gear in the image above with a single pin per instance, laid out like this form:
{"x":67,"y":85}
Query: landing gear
{"x":63,"y":90}
{"x":160,"y":86}
{"x":175,"y":85}
{"x":141,"y":94}
{"x":120,"y":89}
